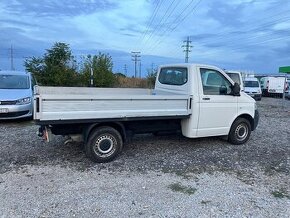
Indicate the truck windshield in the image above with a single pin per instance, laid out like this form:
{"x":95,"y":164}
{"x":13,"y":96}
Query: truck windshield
{"x":235,"y":77}
{"x":173,"y":76}
{"x":251,"y":84}
{"x":14,"y":82}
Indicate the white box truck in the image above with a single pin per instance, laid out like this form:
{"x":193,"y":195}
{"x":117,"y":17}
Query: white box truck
{"x":198,"y":100}
{"x":273,"y":86}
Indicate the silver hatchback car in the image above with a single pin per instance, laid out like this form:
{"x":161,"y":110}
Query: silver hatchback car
{"x":16,"y":95}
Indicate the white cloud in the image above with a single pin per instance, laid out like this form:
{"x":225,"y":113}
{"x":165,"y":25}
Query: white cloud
{"x":118,"y":28}
{"x":282,"y":26}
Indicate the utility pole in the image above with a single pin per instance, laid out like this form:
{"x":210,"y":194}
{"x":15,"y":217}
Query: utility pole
{"x":92,"y":77}
{"x":135,"y":57}
{"x":11,"y":58}
{"x":187,"y":48}
{"x":140,"y":69}
{"x":125,"y":69}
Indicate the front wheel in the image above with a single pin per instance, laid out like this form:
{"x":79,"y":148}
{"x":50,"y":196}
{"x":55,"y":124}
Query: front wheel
{"x":240,"y":131}
{"x":104,"y":144}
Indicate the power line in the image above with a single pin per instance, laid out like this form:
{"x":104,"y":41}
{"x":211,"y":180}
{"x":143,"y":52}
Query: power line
{"x":167,"y":26}
{"x":248,"y":42}
{"x":179,"y":19}
{"x":250,"y":30}
{"x":160,"y":25}
{"x":191,"y":11}
{"x":156,"y":9}
{"x":242,"y":47}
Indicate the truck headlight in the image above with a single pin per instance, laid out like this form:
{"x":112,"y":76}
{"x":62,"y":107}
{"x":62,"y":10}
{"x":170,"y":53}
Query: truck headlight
{"x":23,"y":101}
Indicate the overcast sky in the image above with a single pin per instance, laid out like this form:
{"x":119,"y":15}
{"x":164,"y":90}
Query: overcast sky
{"x":252,"y":35}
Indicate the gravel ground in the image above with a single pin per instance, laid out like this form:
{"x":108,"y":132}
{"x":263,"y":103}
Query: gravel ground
{"x":164,"y":176}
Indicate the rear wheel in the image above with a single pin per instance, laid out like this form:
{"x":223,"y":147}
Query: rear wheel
{"x":240,"y":131}
{"x":104,"y":144}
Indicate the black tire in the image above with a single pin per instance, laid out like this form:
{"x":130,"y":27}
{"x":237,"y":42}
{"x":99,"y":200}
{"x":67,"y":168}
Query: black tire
{"x":240,"y":131}
{"x":104,"y":144}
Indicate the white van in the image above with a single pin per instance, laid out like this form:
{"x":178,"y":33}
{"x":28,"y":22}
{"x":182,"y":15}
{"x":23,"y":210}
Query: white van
{"x":236,"y":76}
{"x":16,"y":95}
{"x":273,"y":86}
{"x":252,"y":88}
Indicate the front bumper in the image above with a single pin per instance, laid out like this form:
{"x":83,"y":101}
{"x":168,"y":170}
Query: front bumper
{"x":255,"y":96}
{"x":8,"y":112}
{"x":256,"y":120}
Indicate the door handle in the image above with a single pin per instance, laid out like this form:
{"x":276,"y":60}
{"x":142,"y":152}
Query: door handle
{"x":206,"y":99}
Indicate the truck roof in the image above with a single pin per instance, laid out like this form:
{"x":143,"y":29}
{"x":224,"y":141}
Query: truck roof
{"x":190,"y":65}
{"x":233,"y":71}
{"x":250,"y":79}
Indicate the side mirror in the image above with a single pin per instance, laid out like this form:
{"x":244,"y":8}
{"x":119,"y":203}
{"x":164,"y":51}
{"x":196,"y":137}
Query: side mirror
{"x":236,"y":89}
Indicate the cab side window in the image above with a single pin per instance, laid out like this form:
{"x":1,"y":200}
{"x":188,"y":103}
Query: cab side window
{"x":214,"y":83}
{"x":173,"y":76}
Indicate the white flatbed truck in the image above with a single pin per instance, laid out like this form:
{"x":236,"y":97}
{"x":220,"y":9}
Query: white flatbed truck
{"x":198,"y":100}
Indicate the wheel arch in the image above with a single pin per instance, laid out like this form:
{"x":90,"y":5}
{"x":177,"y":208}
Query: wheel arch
{"x":247,"y":117}
{"x":116,"y":125}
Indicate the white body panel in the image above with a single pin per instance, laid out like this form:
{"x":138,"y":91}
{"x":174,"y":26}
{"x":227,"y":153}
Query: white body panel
{"x":60,"y":103}
{"x":273,"y":84}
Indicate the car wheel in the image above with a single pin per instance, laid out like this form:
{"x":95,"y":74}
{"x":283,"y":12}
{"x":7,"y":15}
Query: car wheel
{"x":240,"y":131}
{"x":104,"y":144}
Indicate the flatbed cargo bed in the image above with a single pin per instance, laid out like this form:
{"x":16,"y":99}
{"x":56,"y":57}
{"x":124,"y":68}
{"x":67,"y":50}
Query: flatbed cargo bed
{"x":80,"y":104}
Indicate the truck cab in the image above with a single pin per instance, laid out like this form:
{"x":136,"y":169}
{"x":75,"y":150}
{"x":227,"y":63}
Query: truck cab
{"x":215,"y":104}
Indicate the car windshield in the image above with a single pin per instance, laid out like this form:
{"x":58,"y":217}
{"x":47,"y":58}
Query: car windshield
{"x":235,"y":77}
{"x":14,"y":82}
{"x":251,"y":84}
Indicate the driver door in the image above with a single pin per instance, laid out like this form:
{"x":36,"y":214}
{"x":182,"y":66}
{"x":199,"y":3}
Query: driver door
{"x":218,"y":107}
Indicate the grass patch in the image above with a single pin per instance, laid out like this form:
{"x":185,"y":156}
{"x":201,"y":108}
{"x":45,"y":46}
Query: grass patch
{"x":177,"y":187}
{"x":282,"y":193}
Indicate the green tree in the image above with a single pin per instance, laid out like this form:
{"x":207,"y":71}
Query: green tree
{"x":120,"y":75}
{"x":57,"y":67}
{"x":102,"y":66}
